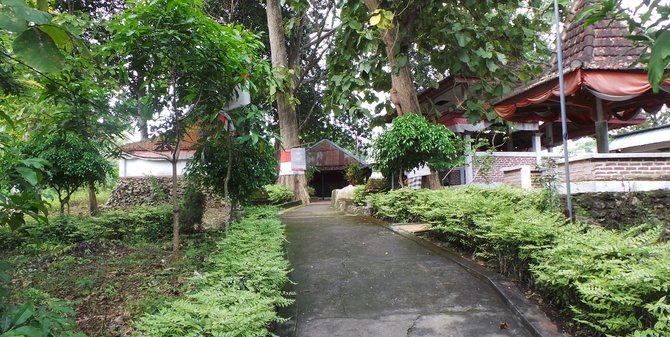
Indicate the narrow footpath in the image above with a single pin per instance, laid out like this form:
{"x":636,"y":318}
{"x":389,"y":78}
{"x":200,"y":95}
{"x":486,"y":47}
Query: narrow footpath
{"x":355,"y":278}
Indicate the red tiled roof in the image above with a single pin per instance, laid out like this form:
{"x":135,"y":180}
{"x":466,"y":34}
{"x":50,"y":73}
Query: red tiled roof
{"x":603,"y":45}
{"x":188,"y":143}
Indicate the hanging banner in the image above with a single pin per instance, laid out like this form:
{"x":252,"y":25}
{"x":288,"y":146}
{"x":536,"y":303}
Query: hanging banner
{"x":298,"y":159}
{"x":292,"y":162}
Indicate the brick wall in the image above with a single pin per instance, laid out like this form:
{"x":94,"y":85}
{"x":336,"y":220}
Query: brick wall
{"x":499,"y":161}
{"x":620,"y":167}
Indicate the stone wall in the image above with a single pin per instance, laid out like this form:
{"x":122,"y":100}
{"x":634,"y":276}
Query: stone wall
{"x":135,"y":191}
{"x":623,"y":209}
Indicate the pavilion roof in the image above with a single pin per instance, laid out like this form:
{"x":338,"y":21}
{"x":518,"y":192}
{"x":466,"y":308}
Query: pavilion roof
{"x":600,"y":62}
{"x":603,"y":45}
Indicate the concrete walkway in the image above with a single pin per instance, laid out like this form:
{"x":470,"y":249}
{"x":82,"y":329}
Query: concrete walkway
{"x":356,"y":278}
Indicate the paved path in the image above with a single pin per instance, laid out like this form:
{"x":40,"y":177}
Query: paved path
{"x":356,"y":278}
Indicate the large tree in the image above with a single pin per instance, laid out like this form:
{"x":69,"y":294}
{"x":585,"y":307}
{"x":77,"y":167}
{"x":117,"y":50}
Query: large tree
{"x":385,"y":45}
{"x":298,"y":44}
{"x":192,"y":67}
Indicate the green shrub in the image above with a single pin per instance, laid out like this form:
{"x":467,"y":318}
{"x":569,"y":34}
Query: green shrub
{"x":355,"y":174}
{"x":191,"y":208}
{"x":615,"y":283}
{"x":145,"y":223}
{"x":359,"y":195}
{"x":238,"y":298}
{"x":278,"y":194}
{"x":148,"y":223}
{"x":611,"y":283}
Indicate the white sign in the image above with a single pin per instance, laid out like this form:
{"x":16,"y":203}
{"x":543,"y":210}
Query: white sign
{"x":242,"y":98}
{"x":298,"y":159}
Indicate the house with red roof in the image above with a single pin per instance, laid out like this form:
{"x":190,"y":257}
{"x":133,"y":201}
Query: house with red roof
{"x":150,"y":157}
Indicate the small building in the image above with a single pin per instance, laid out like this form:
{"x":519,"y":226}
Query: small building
{"x":331,"y":161}
{"x":147,"y":158}
{"x":656,"y":139}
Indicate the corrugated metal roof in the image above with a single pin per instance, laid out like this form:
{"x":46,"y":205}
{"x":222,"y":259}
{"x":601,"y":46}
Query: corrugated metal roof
{"x":325,"y":154}
{"x":657,"y":138}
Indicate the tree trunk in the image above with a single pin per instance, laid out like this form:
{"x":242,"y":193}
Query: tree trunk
{"x":175,"y":201}
{"x":434,"y":181}
{"x":226,"y":180}
{"x":92,"y":199}
{"x":403,"y":93}
{"x":288,"y":124}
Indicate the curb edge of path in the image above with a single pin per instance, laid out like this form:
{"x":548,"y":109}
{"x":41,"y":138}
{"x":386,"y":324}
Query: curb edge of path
{"x":537,"y":323}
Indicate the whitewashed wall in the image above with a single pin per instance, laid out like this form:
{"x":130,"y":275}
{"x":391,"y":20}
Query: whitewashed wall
{"x":139,"y":167}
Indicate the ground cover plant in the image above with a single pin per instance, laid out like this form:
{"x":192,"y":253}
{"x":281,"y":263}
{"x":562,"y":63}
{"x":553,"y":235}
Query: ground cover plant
{"x":606,"y":282}
{"x":239,"y":295}
{"x":94,"y":274}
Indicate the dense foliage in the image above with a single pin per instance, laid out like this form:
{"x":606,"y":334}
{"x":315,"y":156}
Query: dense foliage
{"x":47,"y":318}
{"x":420,"y":42}
{"x":191,"y":208}
{"x":20,"y":179}
{"x":355,"y":173}
{"x":248,"y":166}
{"x":609,"y":282}
{"x":74,"y":162}
{"x":137,"y":224}
{"x":412,"y":141}
{"x":237,"y":298}
{"x":278,"y":194}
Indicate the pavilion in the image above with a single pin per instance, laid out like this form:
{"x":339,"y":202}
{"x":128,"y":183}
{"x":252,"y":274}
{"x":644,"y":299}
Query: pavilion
{"x":605,"y":86}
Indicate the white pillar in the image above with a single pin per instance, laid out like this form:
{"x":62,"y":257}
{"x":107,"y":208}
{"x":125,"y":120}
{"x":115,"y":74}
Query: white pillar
{"x":601,"y":128}
{"x":526,"y":181}
{"x":469,"y":173}
{"x":122,"y":167}
{"x":537,"y":147}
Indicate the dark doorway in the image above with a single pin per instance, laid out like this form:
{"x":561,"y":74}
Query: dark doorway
{"x":325,"y":182}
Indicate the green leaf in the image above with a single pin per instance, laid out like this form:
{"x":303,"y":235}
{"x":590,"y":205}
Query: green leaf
{"x":61,"y":38}
{"x":23,"y":313}
{"x":23,"y":12}
{"x":584,"y":13}
{"x":657,"y":61}
{"x":27,"y":331}
{"x":462,"y":39}
{"x":38,"y":50}
{"x":9,"y":21}
{"x":28,"y":174}
{"x":355,"y":25}
{"x":401,"y":60}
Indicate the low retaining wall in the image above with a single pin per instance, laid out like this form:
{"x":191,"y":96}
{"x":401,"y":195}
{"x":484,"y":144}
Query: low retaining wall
{"x":623,"y":209}
{"x":135,"y":191}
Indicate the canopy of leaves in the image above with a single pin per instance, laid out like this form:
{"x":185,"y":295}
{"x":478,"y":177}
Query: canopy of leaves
{"x":74,"y":161}
{"x":20,"y":177}
{"x":184,"y":61}
{"x":413,"y":141}
{"x":497,"y":41}
{"x":253,"y":165}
